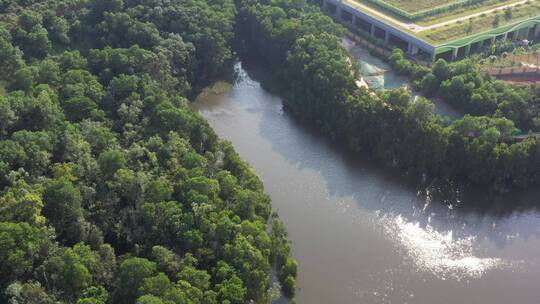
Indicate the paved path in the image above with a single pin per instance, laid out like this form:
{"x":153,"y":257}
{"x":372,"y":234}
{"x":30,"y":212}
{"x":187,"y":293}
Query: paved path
{"x":418,"y":28}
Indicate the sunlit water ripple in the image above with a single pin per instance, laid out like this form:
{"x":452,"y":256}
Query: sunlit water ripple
{"x":439,"y":253}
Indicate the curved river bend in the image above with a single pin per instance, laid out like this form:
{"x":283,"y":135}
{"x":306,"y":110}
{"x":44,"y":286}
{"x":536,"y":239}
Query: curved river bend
{"x":359,"y":233}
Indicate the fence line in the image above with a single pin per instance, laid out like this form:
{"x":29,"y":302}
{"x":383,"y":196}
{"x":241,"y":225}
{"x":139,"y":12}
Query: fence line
{"x":495,"y":71}
{"x":520,"y":64}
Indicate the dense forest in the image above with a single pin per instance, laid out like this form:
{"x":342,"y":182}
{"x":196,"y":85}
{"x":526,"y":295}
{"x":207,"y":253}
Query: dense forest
{"x":112,"y":190}
{"x":464,"y":86}
{"x":302,"y":47}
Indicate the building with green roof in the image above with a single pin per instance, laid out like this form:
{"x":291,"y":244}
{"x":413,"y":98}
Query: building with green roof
{"x":440,"y":29}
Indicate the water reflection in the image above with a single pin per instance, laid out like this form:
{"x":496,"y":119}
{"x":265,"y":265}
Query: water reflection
{"x":363,"y":234}
{"x":440,"y":253}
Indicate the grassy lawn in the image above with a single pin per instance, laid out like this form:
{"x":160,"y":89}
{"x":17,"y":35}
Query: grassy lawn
{"x":417,"y":5}
{"x":479,"y":24}
{"x":462,"y":32}
{"x":464,"y":11}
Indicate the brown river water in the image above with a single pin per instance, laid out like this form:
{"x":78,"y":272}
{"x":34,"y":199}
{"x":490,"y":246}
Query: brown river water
{"x":364,"y":234}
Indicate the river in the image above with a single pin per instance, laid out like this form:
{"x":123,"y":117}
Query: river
{"x":363,"y":234}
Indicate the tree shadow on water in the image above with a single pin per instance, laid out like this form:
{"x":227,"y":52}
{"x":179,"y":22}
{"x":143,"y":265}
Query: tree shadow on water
{"x":375,"y":187}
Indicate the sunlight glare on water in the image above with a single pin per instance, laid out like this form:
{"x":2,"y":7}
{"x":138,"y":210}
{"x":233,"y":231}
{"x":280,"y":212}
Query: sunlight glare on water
{"x":439,"y":253}
{"x":361,"y":236}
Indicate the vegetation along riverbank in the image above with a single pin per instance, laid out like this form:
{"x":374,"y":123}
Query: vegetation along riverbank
{"x":302,"y":47}
{"x":112,"y":190}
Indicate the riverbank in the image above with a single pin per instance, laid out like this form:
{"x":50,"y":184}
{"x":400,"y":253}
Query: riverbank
{"x":365,"y":234}
{"x":318,"y":87}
